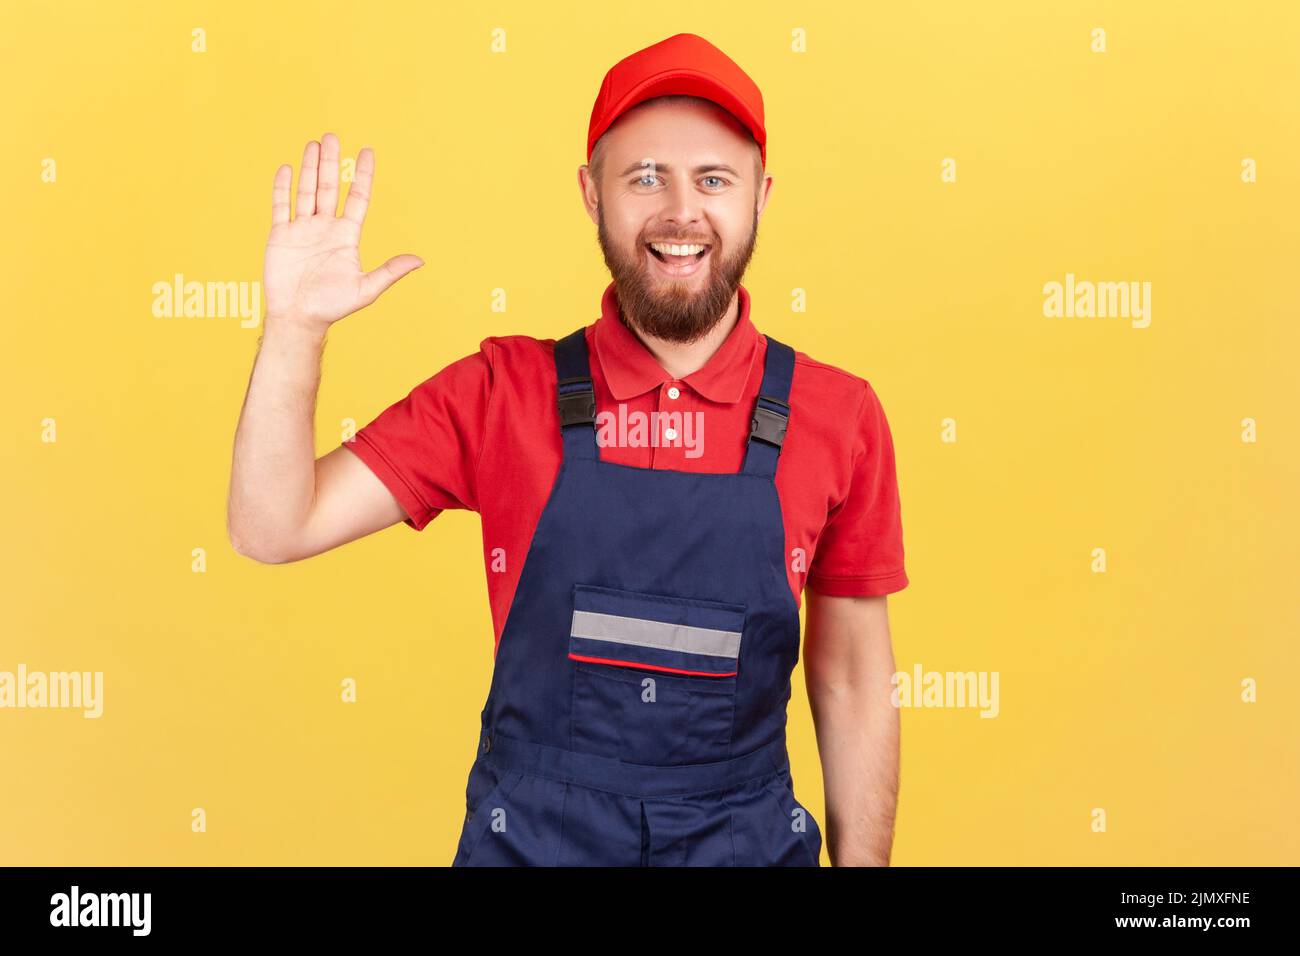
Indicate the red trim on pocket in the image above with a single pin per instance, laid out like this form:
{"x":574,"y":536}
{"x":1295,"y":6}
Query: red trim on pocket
{"x":653,"y":667}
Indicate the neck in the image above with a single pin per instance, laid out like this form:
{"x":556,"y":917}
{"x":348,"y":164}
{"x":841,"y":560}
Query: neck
{"x":680,"y":359}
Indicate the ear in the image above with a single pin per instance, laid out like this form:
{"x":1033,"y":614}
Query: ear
{"x":590,"y":192}
{"x":764,"y":194}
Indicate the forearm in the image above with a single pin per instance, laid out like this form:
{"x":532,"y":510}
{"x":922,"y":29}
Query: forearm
{"x":273,"y":478}
{"x":848,"y":670}
{"x":858,"y":739}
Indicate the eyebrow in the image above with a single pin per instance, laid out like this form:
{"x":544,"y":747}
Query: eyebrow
{"x":666,"y":168}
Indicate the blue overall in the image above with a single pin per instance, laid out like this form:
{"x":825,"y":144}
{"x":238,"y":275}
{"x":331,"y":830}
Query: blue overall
{"x":637,"y":710}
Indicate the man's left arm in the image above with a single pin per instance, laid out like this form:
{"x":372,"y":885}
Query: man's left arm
{"x":848,"y":670}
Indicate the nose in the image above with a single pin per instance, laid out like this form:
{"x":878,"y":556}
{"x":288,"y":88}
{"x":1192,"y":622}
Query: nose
{"x":682,"y":210}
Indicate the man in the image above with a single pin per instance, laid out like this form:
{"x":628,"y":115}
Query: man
{"x":645,"y":554}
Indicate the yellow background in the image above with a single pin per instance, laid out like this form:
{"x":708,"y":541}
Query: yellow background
{"x":1118,"y":690}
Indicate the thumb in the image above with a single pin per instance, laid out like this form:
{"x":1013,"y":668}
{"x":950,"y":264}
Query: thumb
{"x":376,"y":282}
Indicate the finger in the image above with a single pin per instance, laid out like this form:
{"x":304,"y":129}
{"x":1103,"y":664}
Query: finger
{"x":280,"y":195}
{"x":327,"y":190}
{"x":307,"y":181}
{"x":359,"y":192}
{"x":375,"y":283}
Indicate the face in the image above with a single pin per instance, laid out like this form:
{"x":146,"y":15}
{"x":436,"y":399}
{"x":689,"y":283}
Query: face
{"x":677,"y":174}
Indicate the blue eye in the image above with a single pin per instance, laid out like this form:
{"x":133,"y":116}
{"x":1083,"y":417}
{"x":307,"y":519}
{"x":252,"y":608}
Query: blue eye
{"x":641,"y":180}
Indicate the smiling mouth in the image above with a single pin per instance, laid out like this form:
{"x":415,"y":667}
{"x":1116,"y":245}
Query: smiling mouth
{"x":677,"y":260}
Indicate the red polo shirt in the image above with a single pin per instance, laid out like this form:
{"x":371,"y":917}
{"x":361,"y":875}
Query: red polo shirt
{"x":483,"y":434}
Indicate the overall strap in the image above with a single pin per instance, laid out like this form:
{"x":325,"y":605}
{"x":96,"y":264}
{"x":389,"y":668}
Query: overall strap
{"x":771,"y":411}
{"x":575,"y":396}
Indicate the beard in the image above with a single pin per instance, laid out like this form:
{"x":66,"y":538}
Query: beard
{"x":668,"y":308}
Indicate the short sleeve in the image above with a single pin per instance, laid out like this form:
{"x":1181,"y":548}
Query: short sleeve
{"x":860,"y":552}
{"x":425,"y":447}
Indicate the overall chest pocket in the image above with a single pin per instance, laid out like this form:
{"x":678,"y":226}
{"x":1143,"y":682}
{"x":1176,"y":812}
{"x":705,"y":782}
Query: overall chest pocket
{"x":654,"y":675}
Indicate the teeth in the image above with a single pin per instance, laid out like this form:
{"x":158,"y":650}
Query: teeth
{"x":675,"y":250}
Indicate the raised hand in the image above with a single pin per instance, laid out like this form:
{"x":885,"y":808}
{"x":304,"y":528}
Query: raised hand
{"x":312,"y":272}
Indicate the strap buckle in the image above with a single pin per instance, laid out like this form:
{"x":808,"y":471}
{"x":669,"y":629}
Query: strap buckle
{"x":769,"y":424}
{"x":577,"y":402}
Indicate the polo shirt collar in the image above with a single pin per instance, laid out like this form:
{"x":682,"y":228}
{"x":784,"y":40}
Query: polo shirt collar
{"x":630,"y":369}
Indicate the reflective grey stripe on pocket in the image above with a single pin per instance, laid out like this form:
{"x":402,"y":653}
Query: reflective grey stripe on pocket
{"x":656,"y":631}
{"x":643,"y":633}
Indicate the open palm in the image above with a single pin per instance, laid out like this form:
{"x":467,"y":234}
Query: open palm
{"x":312,"y":271}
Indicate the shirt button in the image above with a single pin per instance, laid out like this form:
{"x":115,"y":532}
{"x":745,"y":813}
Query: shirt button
{"x":674,"y":392}
{"x":670,"y":433}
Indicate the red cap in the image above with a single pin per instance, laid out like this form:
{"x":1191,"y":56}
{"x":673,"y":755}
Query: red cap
{"x":686,"y":64}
